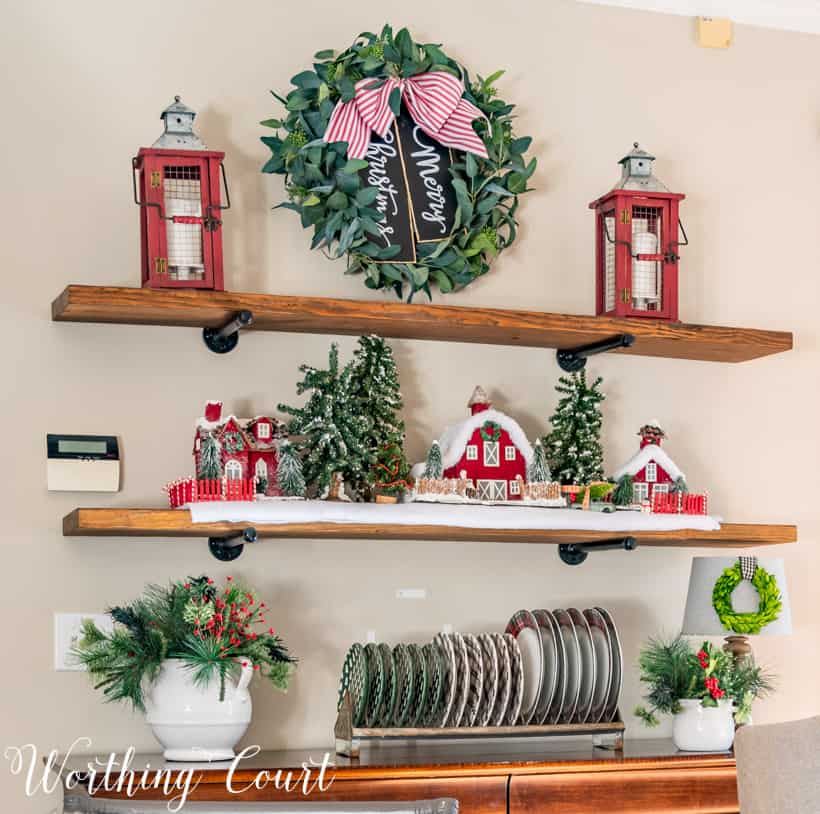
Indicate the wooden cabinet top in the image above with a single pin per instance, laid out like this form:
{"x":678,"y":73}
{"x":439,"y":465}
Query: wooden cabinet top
{"x":420,"y":760}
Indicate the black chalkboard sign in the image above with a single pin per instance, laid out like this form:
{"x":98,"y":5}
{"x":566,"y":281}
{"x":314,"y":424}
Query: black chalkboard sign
{"x":386,"y":173}
{"x":427,"y":165}
{"x":411,"y":171}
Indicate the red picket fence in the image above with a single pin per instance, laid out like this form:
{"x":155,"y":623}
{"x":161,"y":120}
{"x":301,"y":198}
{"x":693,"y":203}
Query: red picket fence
{"x":192,"y":490}
{"x":666,"y":503}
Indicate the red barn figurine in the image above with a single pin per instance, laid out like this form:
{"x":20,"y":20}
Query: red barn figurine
{"x":487,"y":458}
{"x":637,"y":244}
{"x":177,"y":187}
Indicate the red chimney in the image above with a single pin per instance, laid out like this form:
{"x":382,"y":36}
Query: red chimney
{"x":213,"y":411}
{"x":478,"y":401}
{"x":651,"y":433}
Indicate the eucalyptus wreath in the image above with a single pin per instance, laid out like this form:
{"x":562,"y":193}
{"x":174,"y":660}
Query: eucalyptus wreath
{"x":768,"y":609}
{"x":325,"y":189}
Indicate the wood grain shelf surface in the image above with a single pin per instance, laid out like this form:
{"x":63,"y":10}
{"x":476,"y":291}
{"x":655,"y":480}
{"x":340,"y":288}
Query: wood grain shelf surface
{"x":398,"y":320}
{"x":113,"y":522}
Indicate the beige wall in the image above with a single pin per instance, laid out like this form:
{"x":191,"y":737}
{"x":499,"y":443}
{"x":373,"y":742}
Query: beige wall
{"x":736,"y":130}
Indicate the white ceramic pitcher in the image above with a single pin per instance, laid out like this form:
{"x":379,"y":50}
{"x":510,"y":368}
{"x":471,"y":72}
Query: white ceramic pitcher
{"x":704,"y":729}
{"x":190,"y":722}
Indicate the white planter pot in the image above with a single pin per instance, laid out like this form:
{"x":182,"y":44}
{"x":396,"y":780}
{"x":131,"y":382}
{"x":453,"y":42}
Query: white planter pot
{"x":704,"y":729}
{"x":191,"y":722}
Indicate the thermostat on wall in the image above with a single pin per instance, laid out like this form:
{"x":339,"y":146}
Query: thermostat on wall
{"x":83,"y":463}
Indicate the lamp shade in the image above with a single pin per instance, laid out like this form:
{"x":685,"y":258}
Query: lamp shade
{"x":701,"y":619}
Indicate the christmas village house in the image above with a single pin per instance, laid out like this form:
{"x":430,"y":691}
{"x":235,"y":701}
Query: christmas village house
{"x":247,"y":448}
{"x":658,"y":484}
{"x":485,"y":458}
{"x":234,"y":459}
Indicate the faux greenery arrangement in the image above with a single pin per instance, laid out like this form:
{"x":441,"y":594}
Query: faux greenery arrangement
{"x":326,"y":190}
{"x":210,"y":629}
{"x":674,"y":672}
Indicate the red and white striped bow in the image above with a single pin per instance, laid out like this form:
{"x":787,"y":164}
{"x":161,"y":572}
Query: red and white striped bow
{"x":434,"y":101}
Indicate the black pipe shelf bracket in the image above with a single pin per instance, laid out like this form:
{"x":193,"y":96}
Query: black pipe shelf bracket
{"x":225,"y":339}
{"x":576,"y":553}
{"x":228,"y":548}
{"x":571,"y":360}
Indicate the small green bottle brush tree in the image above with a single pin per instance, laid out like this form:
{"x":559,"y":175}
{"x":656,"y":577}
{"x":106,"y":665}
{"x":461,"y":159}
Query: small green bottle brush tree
{"x":212,"y":630}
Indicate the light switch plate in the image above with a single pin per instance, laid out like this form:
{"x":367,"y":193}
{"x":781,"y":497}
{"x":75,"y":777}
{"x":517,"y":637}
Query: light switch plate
{"x":67,"y":632}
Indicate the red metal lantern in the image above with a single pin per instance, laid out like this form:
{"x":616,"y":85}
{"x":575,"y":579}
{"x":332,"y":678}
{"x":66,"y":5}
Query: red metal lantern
{"x":177,"y":187}
{"x":637,"y":244}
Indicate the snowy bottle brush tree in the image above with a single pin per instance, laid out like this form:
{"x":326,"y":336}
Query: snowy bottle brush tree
{"x":433,"y":469}
{"x":374,"y":385}
{"x":574,"y":445}
{"x":289,"y":477}
{"x":538,"y":470}
{"x":332,"y":431}
{"x":210,"y":459}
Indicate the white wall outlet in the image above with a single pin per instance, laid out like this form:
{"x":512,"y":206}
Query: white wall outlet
{"x":67,"y":632}
{"x":411,"y":593}
{"x":371,"y":636}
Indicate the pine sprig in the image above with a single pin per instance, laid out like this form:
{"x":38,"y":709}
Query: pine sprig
{"x":673,"y":671}
{"x":211,"y":631}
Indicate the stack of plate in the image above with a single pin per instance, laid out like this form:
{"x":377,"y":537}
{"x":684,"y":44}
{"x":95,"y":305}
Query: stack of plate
{"x":547,"y":668}
{"x":572,"y":665}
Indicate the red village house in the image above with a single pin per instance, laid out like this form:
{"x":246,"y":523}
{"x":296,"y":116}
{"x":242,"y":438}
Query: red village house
{"x":489,"y":449}
{"x":651,"y":469}
{"x":247,"y":448}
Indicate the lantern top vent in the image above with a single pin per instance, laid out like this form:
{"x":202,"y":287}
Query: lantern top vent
{"x":179,"y":128}
{"x":636,"y":172}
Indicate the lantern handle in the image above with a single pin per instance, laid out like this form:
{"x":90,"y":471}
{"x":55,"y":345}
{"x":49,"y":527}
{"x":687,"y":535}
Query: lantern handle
{"x":137,"y":201}
{"x":670,"y":256}
{"x":212,"y":223}
{"x":685,"y":241}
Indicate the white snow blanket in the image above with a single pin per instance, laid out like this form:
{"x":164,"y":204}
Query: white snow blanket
{"x":430,"y":514}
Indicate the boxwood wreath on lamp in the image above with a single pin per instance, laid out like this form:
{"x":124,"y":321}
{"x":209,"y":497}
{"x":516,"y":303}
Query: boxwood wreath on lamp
{"x":766,"y":585}
{"x":359,"y":92}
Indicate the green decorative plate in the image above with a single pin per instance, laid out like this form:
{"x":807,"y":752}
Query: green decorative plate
{"x":355,"y":680}
{"x":435,"y":684}
{"x":375,"y":696}
{"x":389,"y":703}
{"x":405,"y":684}
{"x":416,"y":712}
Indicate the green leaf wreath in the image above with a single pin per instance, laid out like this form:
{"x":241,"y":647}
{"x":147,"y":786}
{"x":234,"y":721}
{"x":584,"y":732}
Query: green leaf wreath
{"x":491,"y":431}
{"x":744,"y":623}
{"x":210,"y":629}
{"x":324,"y":187}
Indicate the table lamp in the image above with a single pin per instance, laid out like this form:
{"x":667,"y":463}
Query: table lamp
{"x":737,"y":597}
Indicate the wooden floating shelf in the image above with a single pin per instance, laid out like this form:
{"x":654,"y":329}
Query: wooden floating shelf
{"x":398,"y":320}
{"x":177,"y":523}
